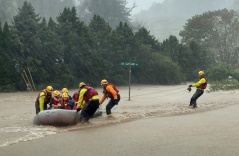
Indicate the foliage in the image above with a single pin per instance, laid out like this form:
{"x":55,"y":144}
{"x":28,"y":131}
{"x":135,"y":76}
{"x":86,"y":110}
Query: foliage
{"x":224,"y":85}
{"x":221,"y":72}
{"x":217,"y":32}
{"x":9,"y":76}
{"x":64,"y":52}
{"x":112,"y":11}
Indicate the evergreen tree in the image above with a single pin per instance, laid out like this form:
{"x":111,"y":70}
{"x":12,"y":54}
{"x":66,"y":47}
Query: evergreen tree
{"x":101,"y":32}
{"x":50,"y":45}
{"x":52,"y":25}
{"x":9,"y":80}
{"x":79,"y":48}
{"x":112,"y":11}
{"x":26,"y":26}
{"x":122,"y":48}
{"x":48,"y":8}
{"x":144,"y":37}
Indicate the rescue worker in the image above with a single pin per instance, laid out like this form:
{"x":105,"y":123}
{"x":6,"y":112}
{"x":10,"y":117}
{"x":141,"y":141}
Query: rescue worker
{"x":75,"y":99}
{"x":65,"y":90}
{"x":43,"y":99}
{"x":88,"y":102}
{"x":200,"y":85}
{"x":55,"y":99}
{"x":65,"y":102}
{"x":109,"y":90}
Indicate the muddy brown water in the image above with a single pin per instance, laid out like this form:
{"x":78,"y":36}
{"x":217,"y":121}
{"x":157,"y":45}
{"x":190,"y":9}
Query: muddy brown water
{"x":17,"y":110}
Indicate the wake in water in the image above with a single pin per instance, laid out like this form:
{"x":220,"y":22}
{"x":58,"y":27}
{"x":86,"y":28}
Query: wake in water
{"x":13,"y":135}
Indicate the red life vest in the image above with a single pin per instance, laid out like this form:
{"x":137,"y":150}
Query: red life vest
{"x":204,"y":85}
{"x":47,"y":98}
{"x":64,"y":104}
{"x":109,"y":94}
{"x":76,"y":96}
{"x":89,"y":93}
{"x":55,"y":101}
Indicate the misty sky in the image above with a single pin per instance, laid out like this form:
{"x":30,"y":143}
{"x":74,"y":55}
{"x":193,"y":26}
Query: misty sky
{"x":141,"y":4}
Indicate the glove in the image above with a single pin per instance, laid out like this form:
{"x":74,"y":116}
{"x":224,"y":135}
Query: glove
{"x":78,"y":109}
{"x":189,"y":89}
{"x":189,"y":86}
{"x":116,"y":102}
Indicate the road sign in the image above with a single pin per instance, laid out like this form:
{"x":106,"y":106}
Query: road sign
{"x":129,"y":63}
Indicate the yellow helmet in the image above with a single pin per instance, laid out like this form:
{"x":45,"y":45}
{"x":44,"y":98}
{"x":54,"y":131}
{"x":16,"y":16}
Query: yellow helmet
{"x":64,"y":90}
{"x":82,"y":84}
{"x":65,"y":95}
{"x":49,"y":88}
{"x":56,"y":93}
{"x":200,"y":73}
{"x":104,"y":81}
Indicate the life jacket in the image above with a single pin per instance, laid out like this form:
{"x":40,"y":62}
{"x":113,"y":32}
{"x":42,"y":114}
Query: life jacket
{"x":204,"y":85}
{"x":64,"y":104}
{"x":89,"y":93}
{"x":109,"y":94}
{"x":55,"y":101}
{"x":47,"y":98}
{"x":76,"y":96}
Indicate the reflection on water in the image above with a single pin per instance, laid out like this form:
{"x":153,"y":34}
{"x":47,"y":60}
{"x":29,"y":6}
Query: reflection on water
{"x":17,"y":110}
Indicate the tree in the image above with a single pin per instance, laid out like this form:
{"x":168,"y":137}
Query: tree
{"x":170,"y":47}
{"x":144,"y":37}
{"x":101,"y":33}
{"x":9,"y":80}
{"x":217,"y":32}
{"x":156,"y":68}
{"x":79,"y":48}
{"x":26,"y":27}
{"x":112,"y":11}
{"x":49,"y":44}
{"x":48,"y":8}
{"x":52,"y":25}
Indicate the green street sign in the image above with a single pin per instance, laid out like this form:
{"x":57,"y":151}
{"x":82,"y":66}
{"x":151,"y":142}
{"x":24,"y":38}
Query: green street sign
{"x":129,"y":63}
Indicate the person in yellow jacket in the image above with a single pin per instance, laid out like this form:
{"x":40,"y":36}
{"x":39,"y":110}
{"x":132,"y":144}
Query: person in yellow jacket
{"x":200,"y":85}
{"x":88,"y":102}
{"x":109,"y":90}
{"x":43,"y":98}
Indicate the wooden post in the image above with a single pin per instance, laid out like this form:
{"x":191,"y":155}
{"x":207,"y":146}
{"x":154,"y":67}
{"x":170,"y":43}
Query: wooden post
{"x":32,"y":80}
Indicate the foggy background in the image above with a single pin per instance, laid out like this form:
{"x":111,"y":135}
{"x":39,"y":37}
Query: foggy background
{"x":162,"y":17}
{"x":141,"y":4}
{"x":167,"y":17}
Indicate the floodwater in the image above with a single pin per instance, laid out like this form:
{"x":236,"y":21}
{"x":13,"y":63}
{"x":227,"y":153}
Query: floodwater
{"x":17,"y":110}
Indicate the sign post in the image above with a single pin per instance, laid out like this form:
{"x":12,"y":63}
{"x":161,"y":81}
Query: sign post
{"x":129,"y":64}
